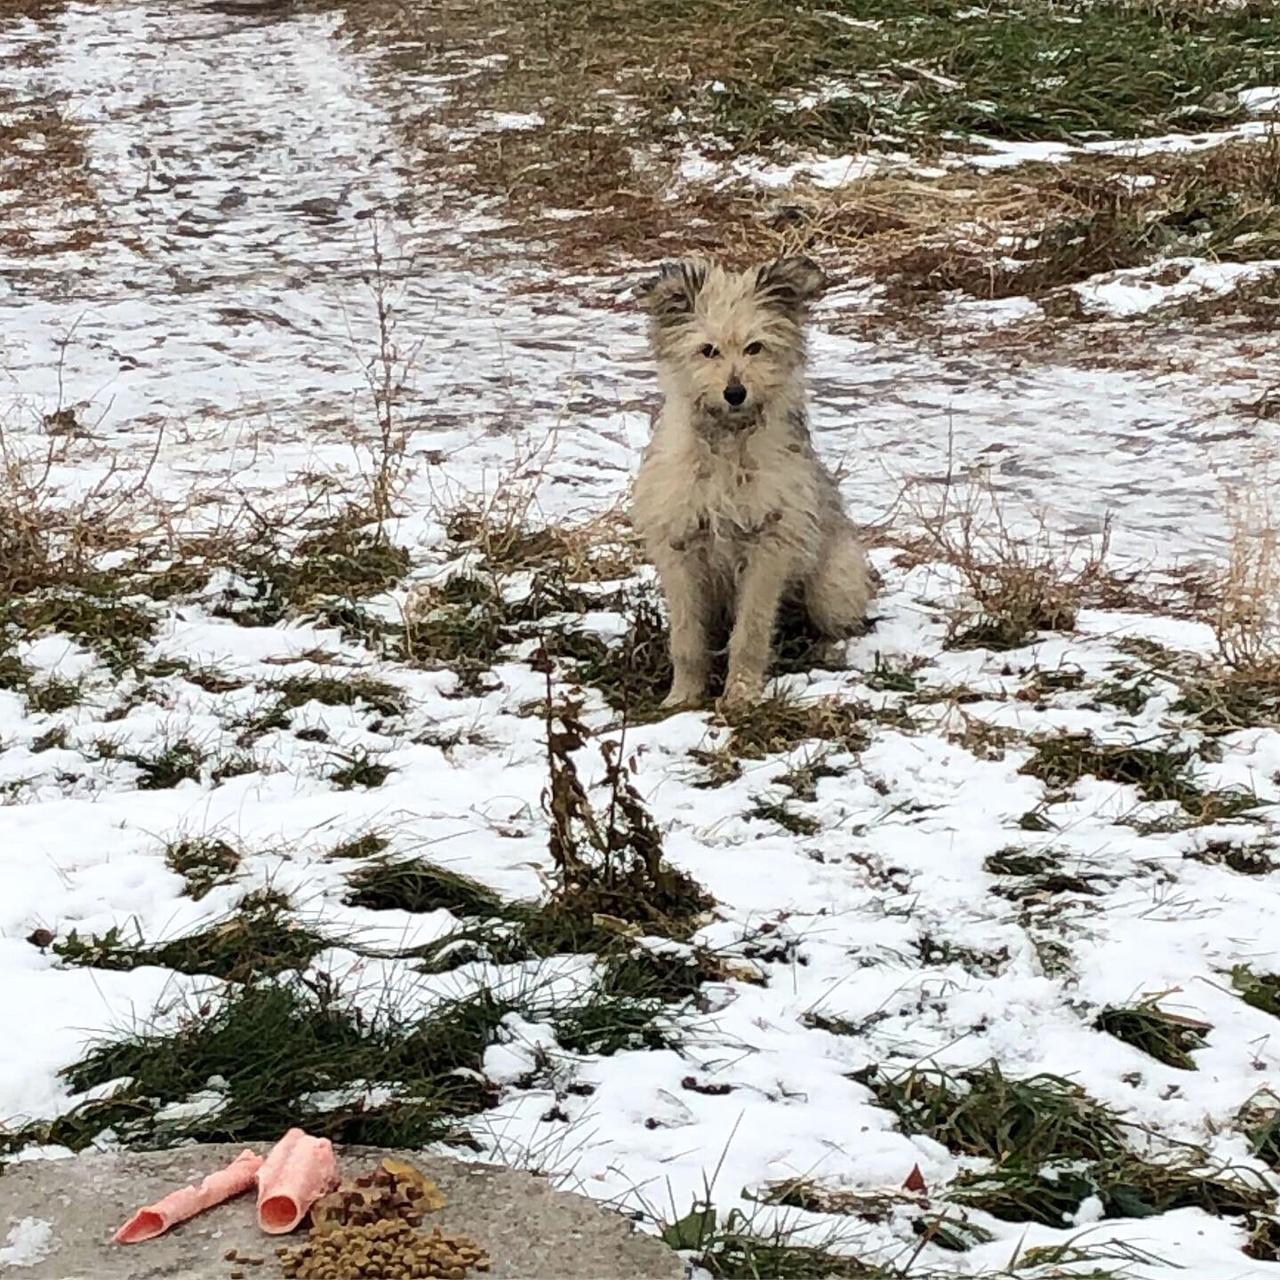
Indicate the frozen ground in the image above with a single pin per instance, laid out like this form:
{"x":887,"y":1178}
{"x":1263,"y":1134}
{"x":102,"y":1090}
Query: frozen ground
{"x":223,"y":324}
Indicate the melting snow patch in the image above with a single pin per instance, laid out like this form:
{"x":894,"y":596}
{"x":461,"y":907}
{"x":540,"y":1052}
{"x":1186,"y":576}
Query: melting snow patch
{"x":514,"y":120}
{"x":999,"y":153}
{"x":695,"y":167}
{"x":1005,"y":155}
{"x":1263,"y":98}
{"x":1133,"y":292}
{"x":820,"y":171}
{"x":996,"y":313}
{"x":27,"y":1243}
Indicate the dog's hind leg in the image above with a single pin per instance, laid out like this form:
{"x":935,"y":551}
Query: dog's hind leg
{"x":837,"y":592}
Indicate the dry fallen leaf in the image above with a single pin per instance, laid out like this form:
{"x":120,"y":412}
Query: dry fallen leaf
{"x":742,"y":971}
{"x":615,"y":924}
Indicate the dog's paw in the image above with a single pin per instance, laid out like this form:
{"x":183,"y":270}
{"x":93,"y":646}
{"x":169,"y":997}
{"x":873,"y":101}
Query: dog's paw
{"x":682,"y":697}
{"x":740,"y":691}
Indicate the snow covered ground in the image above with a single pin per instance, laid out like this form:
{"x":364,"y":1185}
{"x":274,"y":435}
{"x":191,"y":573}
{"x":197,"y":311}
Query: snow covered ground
{"x":218,"y":338}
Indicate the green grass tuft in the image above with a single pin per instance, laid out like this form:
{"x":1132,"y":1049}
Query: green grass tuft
{"x":630,"y":1007}
{"x":411,"y":884}
{"x":776,"y":725}
{"x":367,"y":845}
{"x":114,"y":628}
{"x":781,"y":813}
{"x":1032,"y":876}
{"x":54,"y":739}
{"x":1127,"y":1186}
{"x":983,"y":1113}
{"x":740,"y":1249}
{"x":632,"y":673}
{"x":1165,"y":1036}
{"x":359,"y":769}
{"x":1158,"y":774}
{"x":176,"y":762}
{"x":341,"y":691}
{"x":277,"y":1043}
{"x":53,"y":694}
{"x":202,"y":863}
{"x":14,"y":673}
{"x":345,"y":561}
{"x":1260,"y":1120}
{"x":1253,"y":858}
{"x":258,"y":941}
{"x":1224,"y":700}
{"x":468,"y":621}
{"x":1259,"y":990}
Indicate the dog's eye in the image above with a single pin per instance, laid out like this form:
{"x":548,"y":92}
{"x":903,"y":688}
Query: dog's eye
{"x":754,"y":348}
{"x":708,"y":350}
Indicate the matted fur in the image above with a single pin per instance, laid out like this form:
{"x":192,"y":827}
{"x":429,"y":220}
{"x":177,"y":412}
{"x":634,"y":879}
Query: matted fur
{"x":734,"y":506}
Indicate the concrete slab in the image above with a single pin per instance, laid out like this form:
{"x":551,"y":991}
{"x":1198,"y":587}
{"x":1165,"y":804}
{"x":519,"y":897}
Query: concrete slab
{"x":531,"y":1231}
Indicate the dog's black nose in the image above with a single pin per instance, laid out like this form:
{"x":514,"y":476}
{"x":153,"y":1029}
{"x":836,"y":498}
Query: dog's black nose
{"x":735,"y":393}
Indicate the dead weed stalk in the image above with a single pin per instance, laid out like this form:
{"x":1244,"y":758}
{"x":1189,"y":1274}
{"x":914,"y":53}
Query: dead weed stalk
{"x":1246,"y":619}
{"x":47,"y":542}
{"x":1017,"y":584}
{"x":385,"y":372}
{"x":608,"y":865}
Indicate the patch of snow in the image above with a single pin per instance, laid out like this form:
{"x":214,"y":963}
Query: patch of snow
{"x":202,"y":1105}
{"x":1133,"y":291}
{"x":1008,"y":153}
{"x":697,"y":168}
{"x":513,"y":120}
{"x":27,"y":1243}
{"x":1261,"y":99}
{"x":821,"y":171}
{"x":1002,"y":153}
{"x":979,"y":313}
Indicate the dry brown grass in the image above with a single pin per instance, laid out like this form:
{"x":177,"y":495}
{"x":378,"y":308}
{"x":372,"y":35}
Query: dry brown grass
{"x":48,"y":202}
{"x":49,"y":198}
{"x":1016,"y":584}
{"x":1246,"y":619}
{"x":581,"y":75}
{"x":15,"y":12}
{"x":1034,"y":229}
{"x":35,"y":10}
{"x":599,"y":86}
{"x":600,"y":549}
{"x":49,"y":541}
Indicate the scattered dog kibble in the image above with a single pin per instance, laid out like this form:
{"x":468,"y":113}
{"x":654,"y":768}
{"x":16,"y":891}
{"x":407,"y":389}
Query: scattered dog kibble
{"x":393,"y":1190}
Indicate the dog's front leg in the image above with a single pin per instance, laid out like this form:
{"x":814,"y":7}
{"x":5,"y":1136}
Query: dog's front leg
{"x":687,"y":615}
{"x":759,"y":594}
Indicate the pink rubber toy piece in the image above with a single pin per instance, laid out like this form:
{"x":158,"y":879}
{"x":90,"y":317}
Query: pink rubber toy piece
{"x":155,"y":1219}
{"x":298,"y":1170}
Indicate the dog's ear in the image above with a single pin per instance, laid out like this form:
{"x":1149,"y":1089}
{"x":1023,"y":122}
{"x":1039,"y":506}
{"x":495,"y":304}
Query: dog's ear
{"x":670,"y":296}
{"x":789,"y":284}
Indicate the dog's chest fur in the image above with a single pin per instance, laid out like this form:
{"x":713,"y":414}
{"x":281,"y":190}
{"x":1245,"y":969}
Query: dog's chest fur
{"x":725,"y":497}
